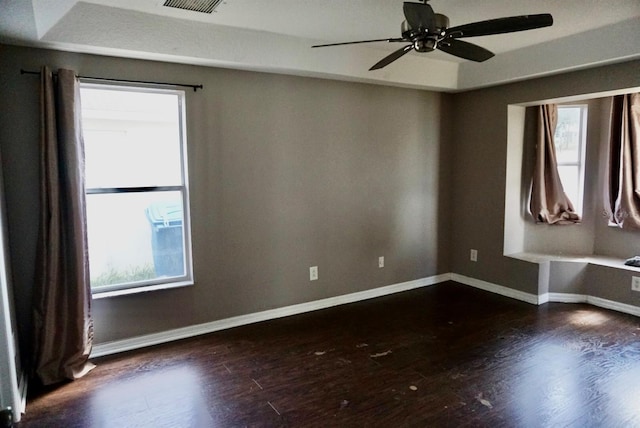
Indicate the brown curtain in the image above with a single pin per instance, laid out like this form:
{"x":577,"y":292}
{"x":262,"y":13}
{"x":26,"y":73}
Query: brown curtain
{"x":549,"y":203}
{"x":622,"y":195}
{"x":63,"y":328}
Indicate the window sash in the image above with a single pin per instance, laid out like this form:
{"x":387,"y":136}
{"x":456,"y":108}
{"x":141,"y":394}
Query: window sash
{"x":158,"y":282}
{"x":580,"y":162}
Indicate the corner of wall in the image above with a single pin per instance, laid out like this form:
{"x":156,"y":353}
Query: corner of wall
{"x":514,"y":225}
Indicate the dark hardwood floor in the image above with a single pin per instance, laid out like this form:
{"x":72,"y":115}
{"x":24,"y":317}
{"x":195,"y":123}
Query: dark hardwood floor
{"x":446,"y":355}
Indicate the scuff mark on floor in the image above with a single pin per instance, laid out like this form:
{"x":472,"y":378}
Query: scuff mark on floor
{"x":256,"y":382}
{"x":381,"y":354}
{"x":362,"y":345}
{"x":273,"y":407}
{"x":225,"y":366}
{"x":344,"y":404}
{"x":483,"y":401}
{"x":318,"y":353}
{"x":413,"y":388}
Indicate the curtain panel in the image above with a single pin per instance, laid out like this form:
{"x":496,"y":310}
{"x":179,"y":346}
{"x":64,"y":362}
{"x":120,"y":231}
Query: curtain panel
{"x":63,"y":328}
{"x":548,"y":202}
{"x":622,"y":193}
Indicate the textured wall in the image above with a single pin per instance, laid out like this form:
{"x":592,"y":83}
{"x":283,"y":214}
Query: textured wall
{"x":285,"y":173}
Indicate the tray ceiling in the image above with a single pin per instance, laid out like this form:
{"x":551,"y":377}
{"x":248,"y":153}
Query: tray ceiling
{"x":276,"y":35}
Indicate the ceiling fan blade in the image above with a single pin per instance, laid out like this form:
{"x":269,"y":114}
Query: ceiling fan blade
{"x":419,"y":15}
{"x":501,"y":25}
{"x":390,"y":58}
{"x":465,"y":50}
{"x":359,"y":41}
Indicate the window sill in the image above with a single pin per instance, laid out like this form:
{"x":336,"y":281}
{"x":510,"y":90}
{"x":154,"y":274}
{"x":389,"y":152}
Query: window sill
{"x":599,"y":260}
{"x":136,"y":290}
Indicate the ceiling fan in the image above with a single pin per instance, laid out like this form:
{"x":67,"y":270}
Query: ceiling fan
{"x":426,"y":30}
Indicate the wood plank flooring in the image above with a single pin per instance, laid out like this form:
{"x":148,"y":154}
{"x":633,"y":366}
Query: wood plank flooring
{"x":446,"y":355}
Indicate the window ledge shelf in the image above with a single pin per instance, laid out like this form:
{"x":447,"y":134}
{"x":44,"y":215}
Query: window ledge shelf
{"x":599,"y":260}
{"x":136,"y":290}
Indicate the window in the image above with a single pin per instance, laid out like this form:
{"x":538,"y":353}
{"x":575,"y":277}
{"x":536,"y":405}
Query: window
{"x":136,"y":188}
{"x":570,"y":142}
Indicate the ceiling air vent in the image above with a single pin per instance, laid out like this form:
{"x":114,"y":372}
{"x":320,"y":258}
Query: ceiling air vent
{"x":204,"y":6}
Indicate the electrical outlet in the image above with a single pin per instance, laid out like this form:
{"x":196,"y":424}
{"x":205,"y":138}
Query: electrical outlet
{"x":313,"y":273}
{"x":473,"y":255}
{"x":380,"y":262}
{"x":635,"y":283}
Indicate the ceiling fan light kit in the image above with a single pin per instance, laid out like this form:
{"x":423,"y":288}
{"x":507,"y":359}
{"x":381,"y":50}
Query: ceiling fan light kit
{"x":424,"y":31}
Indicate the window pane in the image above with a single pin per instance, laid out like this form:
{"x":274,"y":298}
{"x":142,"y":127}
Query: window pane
{"x":135,"y":237}
{"x":567,"y":135}
{"x":132,"y":139}
{"x":570,"y":177}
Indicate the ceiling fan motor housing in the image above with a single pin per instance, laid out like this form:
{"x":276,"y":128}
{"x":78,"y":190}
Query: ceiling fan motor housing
{"x":425,"y":45}
{"x":426,"y":39}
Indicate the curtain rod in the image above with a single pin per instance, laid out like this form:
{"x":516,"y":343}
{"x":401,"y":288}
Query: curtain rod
{"x":184,"y":85}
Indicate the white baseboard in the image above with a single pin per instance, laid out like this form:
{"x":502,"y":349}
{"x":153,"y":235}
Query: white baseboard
{"x":595,"y":301}
{"x":129,"y":344}
{"x":543,"y":298}
{"x":547,"y":297}
{"x":613,"y":305}
{"x":567,"y":298}
{"x":497,"y":289}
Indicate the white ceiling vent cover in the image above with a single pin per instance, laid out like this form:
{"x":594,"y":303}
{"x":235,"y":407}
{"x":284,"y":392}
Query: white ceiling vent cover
{"x":204,"y":6}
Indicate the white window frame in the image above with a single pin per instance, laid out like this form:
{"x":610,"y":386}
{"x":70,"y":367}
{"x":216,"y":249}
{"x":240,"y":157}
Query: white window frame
{"x":582,"y":146}
{"x":157,"y":283}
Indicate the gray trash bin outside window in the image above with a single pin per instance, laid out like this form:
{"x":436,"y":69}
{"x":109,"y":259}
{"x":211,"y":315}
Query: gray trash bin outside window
{"x":167,"y":241}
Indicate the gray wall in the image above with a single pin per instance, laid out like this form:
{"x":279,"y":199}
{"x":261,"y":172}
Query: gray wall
{"x":479,"y":163}
{"x":285,"y":173}
{"x":288,"y":172}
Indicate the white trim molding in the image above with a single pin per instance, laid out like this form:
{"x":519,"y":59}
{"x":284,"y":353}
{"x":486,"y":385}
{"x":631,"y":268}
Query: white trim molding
{"x":137,"y":342}
{"x":566,"y":298}
{"x":533,"y":299}
{"x":595,"y":301}
{"x":547,"y":297}
{"x":116,"y":346}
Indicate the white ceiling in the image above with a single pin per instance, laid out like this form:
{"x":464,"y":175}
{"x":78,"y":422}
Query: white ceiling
{"x":276,"y":36}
